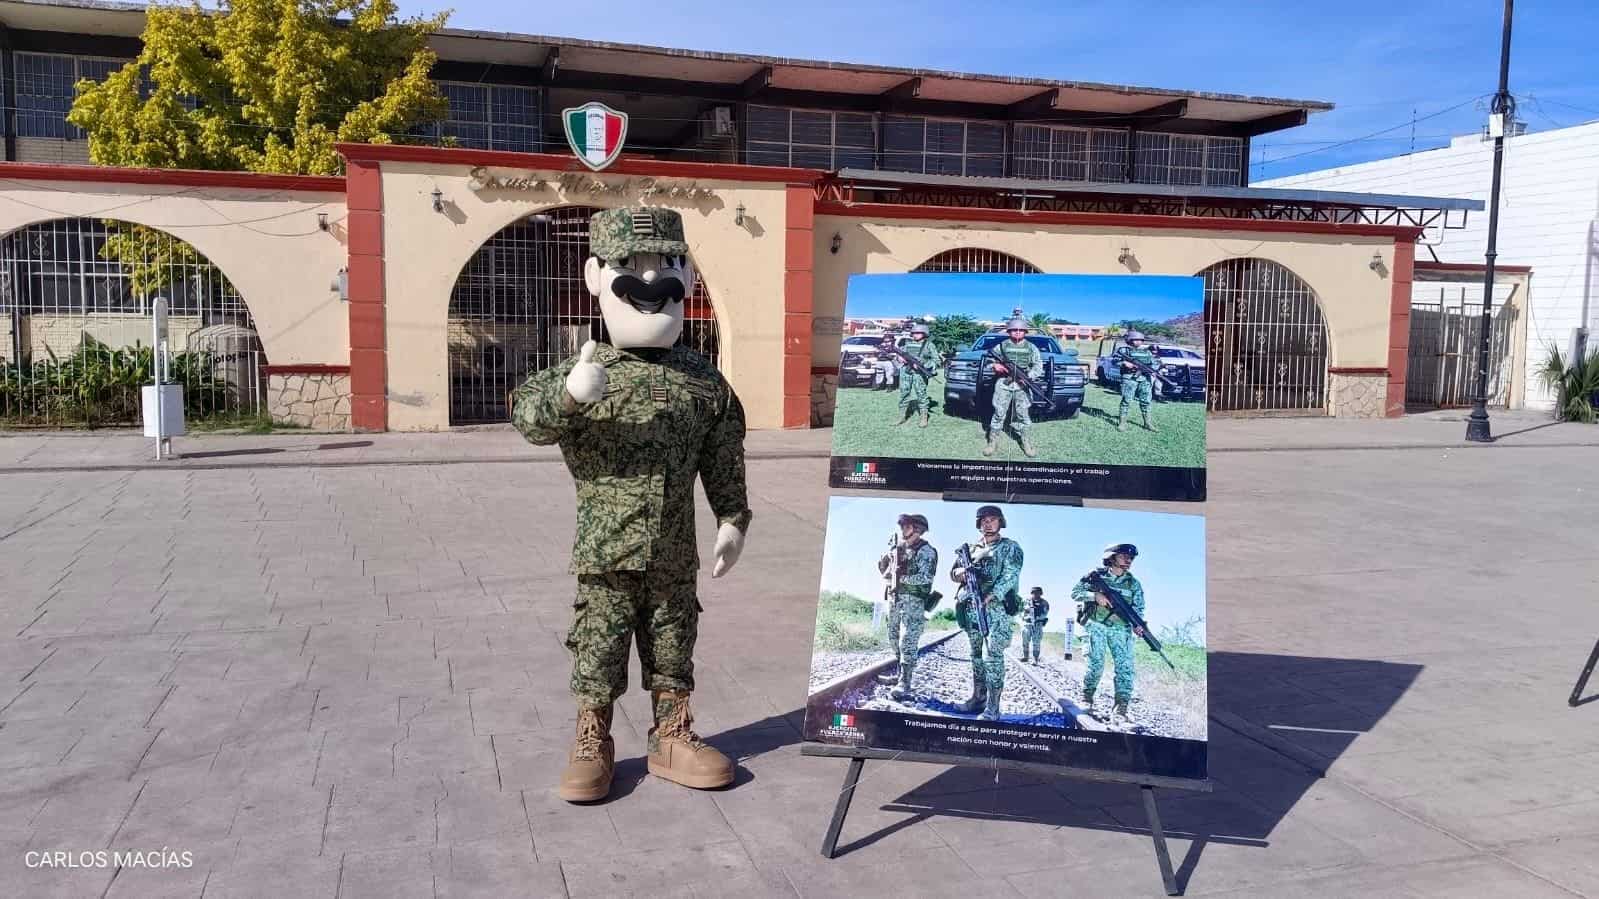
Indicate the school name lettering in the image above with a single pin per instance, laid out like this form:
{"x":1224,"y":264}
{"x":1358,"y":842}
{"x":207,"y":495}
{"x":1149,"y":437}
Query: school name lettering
{"x":481,"y":179}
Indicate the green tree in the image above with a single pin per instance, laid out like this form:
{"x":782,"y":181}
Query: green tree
{"x":1039,"y":321}
{"x":953,"y":333}
{"x":1150,"y":328}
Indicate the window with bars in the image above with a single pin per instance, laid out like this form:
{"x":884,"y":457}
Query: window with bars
{"x":810,"y":138}
{"x":488,"y":117}
{"x":46,"y":86}
{"x":943,"y":146}
{"x":1100,"y":154}
{"x":1188,"y":159}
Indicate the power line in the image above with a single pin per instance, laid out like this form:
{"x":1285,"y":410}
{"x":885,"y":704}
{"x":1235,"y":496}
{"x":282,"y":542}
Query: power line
{"x":1375,"y":134}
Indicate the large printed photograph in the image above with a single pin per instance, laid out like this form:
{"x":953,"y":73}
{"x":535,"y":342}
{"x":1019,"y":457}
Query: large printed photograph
{"x":1078,"y":385}
{"x":1086,"y":649}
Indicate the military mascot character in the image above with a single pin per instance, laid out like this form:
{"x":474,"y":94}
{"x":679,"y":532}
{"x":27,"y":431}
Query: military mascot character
{"x":1034,"y":617}
{"x":1011,"y":398}
{"x":1106,"y":630}
{"x":912,"y":383}
{"x":911,"y":564}
{"x":637,"y":421}
{"x":1134,"y":383}
{"x":985,"y":613}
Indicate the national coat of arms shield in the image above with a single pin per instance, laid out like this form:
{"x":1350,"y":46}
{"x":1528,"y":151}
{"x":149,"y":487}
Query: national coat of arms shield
{"x":595,"y":132}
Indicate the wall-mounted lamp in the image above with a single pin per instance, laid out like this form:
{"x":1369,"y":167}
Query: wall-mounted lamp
{"x":438,"y":200}
{"x":738,"y":215}
{"x":1126,"y":254}
{"x":322,"y":221}
{"x":341,"y":283}
{"x":1377,"y":264}
{"x":838,"y":241}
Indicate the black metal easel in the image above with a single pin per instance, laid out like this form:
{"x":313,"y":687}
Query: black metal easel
{"x":1582,"y":679}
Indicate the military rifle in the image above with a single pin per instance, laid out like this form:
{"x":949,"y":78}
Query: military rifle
{"x":913,"y":363}
{"x":964,"y":561}
{"x":1014,"y":372}
{"x":1125,"y":611}
{"x":1124,"y":354}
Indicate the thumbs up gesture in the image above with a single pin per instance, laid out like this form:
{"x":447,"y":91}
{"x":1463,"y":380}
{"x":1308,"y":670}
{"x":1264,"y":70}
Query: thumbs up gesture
{"x":585,"y":383}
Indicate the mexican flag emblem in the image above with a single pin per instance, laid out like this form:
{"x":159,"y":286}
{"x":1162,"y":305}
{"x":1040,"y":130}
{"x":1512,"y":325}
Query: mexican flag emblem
{"x":843,"y":720}
{"x":866,"y":468}
{"x":596,"y":133}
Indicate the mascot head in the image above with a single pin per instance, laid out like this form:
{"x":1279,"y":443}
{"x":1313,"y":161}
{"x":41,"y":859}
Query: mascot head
{"x":639,"y":269}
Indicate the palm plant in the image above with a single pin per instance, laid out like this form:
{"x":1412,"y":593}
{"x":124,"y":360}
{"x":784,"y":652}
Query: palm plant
{"x":1575,"y":383}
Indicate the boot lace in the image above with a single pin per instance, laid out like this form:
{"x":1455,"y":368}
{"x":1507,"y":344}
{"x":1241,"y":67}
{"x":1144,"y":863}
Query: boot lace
{"x":591,"y":732}
{"x":677,"y":723}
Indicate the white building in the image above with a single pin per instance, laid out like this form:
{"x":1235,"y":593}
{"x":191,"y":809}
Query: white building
{"x":1549,"y":202}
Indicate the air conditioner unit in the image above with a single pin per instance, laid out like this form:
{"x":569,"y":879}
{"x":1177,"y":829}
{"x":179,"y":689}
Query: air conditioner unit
{"x":717,"y":122}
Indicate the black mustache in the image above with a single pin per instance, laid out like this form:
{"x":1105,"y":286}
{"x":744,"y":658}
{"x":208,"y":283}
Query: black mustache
{"x":641,"y":293}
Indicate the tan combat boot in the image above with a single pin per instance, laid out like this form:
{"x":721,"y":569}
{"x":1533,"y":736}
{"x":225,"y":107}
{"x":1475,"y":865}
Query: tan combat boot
{"x":593,"y":759}
{"x":1028,"y":449}
{"x":1149,"y":424}
{"x":678,"y":754}
{"x":1121,"y":423}
{"x":903,"y":692}
{"x":993,"y":445}
{"x":925,"y":416}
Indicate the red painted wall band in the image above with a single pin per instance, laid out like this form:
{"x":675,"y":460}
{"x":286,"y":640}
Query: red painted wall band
{"x":557,"y":162}
{"x":307,"y":369}
{"x":101,"y":174}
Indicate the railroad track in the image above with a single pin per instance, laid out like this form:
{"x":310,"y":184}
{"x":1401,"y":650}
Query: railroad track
{"x":1073,"y":712}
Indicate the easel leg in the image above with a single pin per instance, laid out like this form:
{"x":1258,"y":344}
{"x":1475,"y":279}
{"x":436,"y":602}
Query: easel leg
{"x":1162,"y":856}
{"x":1587,"y":672}
{"x":852,"y":779}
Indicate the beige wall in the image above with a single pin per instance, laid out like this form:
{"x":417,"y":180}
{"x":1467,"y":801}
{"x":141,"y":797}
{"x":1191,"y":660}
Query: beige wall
{"x":1355,"y":300}
{"x":424,"y":252}
{"x":265,"y":241}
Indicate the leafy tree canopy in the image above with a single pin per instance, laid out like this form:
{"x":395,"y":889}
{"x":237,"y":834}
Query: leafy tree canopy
{"x":1150,"y":328}
{"x":953,"y":333}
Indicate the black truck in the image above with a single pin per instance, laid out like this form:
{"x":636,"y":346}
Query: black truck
{"x":969,"y":378}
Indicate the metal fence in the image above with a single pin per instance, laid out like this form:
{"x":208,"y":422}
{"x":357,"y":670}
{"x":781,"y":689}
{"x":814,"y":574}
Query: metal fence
{"x":975,"y":259}
{"x":1266,"y":345}
{"x":520,"y":306}
{"x":1442,"y":367}
{"x":75,"y":326}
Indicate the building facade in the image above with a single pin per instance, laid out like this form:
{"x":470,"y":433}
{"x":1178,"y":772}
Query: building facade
{"x":417,"y":290}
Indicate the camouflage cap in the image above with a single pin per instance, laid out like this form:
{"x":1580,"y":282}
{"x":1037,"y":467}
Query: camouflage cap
{"x":1038,"y":591}
{"x":619,"y":233}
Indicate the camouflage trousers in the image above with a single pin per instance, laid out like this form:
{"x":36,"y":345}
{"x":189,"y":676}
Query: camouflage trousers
{"x":1012,"y":401}
{"x":658,"y":606}
{"x":1032,"y":640}
{"x":1135,"y":386}
{"x":907,"y":617}
{"x":1119,"y":641}
{"x":988,"y":656}
{"x":912,"y":390}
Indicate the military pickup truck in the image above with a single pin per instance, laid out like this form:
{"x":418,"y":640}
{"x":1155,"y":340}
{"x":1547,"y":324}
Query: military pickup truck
{"x":969,"y":381}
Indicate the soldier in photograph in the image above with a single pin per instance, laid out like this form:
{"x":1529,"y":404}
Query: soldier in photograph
{"x":1106,"y":630}
{"x":1034,"y":616}
{"x":1010,"y":398}
{"x":996,"y":566}
{"x":884,"y":376}
{"x":913,"y":563}
{"x":1135,"y":384}
{"x":912,"y":383}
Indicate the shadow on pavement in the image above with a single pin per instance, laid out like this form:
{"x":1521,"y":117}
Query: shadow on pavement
{"x":1277,"y":723}
{"x":270,"y":450}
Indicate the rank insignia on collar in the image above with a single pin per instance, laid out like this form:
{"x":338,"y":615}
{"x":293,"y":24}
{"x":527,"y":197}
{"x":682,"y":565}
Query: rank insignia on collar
{"x":658,"y":394}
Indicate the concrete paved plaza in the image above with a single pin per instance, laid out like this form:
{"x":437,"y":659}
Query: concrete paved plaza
{"x":332,"y":665}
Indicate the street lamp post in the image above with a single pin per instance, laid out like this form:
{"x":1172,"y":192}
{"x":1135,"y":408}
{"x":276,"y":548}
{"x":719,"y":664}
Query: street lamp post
{"x":1503,"y":109}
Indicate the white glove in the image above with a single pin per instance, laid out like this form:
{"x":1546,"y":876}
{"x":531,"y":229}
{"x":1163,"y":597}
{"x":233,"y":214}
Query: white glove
{"x":729,"y":544}
{"x":586,"y":382}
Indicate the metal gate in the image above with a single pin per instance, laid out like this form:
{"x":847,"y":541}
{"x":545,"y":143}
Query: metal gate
{"x":75,"y":326}
{"x":1442,"y":367}
{"x":520,"y":306}
{"x":1266,"y":339}
{"x":974,"y":259}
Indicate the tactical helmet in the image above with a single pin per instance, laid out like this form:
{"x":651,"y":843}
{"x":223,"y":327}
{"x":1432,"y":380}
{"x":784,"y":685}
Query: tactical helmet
{"x":1134,"y":335}
{"x":919,"y":521}
{"x":1127,"y":549}
{"x":985,"y":511}
{"x":918,"y":328}
{"x":1016,"y":324}
{"x":1038,"y":591}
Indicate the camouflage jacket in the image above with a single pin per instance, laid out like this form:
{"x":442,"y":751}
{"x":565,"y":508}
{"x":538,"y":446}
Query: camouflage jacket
{"x":1025,"y":357}
{"x":1000,"y":572}
{"x":921,"y":566}
{"x":635,"y":454}
{"x":1037,"y":610}
{"x":1143,"y":354}
{"x":1125,"y":584}
{"x":925,"y":353}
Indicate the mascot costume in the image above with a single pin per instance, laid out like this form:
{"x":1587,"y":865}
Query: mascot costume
{"x":637,"y":420}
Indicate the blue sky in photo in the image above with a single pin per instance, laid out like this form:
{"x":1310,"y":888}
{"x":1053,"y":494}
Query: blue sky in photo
{"x":1383,"y":64}
{"x":1060,"y":543}
{"x":1088,"y":299}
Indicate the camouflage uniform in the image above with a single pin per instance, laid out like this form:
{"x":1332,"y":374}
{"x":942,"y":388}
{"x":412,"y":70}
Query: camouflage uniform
{"x":910,"y":606}
{"x":1136,"y":384}
{"x":667,"y":417}
{"x":912,"y":385}
{"x":1034,"y":617}
{"x":997,"y":578}
{"x":1009,"y":397}
{"x":1107,"y":631}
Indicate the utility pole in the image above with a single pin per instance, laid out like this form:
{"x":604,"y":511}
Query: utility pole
{"x":1502,"y":114}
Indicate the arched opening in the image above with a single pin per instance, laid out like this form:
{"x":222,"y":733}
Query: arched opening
{"x":976,"y":259}
{"x":76,"y":328}
{"x":1266,"y":340}
{"x":519,"y":306}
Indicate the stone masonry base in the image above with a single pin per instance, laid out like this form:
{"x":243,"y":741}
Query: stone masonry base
{"x":320,"y":401}
{"x":1357,"y":395}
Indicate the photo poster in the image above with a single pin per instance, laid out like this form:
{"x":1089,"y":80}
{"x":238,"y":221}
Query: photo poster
{"x":1044,"y":716}
{"x":1091,"y":424}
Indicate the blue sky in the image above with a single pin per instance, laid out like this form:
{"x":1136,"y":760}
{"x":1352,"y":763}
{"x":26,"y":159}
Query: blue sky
{"x":1061,"y":544}
{"x":1079,"y":298}
{"x":1381,"y":63}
